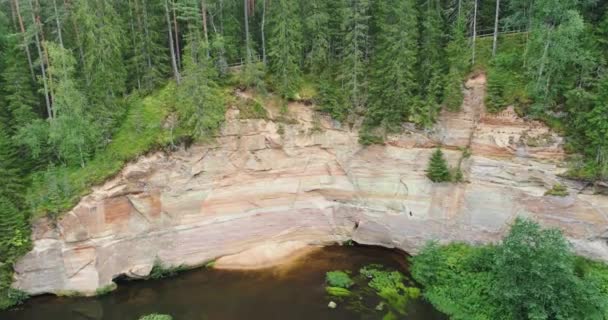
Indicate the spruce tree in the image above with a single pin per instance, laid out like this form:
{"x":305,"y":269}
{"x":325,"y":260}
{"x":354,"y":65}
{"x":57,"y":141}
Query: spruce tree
{"x":200,"y":102}
{"x":437,"y":169}
{"x":17,"y":87}
{"x":458,"y":57}
{"x":285,"y":46}
{"x":10,"y":173}
{"x":355,"y":44}
{"x":431,"y":61}
{"x":317,"y":33}
{"x":103,"y":37}
{"x":394,"y":84}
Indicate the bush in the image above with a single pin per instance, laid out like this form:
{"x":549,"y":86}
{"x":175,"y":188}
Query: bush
{"x":438,"y":170}
{"x":338,"y":279}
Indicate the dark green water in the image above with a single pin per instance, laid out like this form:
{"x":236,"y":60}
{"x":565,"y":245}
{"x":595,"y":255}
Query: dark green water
{"x":296,"y":292}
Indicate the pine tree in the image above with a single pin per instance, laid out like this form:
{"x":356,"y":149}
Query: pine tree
{"x":437,"y":169}
{"x":394,"y":84}
{"x":285,"y":46}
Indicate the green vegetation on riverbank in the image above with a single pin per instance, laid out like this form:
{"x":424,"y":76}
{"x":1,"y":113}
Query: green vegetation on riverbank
{"x":388,"y":291}
{"x":531,"y":274}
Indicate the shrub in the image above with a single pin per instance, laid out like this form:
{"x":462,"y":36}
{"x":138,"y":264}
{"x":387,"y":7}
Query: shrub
{"x":438,"y":170}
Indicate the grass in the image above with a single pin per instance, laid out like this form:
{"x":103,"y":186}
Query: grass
{"x":58,"y":189}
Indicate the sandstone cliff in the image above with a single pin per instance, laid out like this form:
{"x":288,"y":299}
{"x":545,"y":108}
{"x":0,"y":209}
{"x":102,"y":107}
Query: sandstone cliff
{"x":263,"y":182}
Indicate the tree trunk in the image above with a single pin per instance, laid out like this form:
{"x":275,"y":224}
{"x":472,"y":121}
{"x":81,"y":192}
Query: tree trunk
{"x":495,"y":41}
{"x":25,"y":44}
{"x":474,"y":31}
{"x":173,"y":58}
{"x":247,"y":44}
{"x":176,"y":31}
{"x":58,"y":24}
{"x":263,"y":34}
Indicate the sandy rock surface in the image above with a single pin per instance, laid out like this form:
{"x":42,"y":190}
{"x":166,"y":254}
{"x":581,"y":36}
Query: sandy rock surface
{"x":262,"y":192}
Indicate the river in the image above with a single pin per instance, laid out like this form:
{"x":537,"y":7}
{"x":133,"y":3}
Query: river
{"x":296,"y":291}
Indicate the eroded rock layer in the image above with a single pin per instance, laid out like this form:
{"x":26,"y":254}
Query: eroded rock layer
{"x":264,"y":181}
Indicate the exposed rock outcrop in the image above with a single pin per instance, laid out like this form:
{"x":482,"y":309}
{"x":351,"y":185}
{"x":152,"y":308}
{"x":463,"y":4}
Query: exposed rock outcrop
{"x":255,"y":186}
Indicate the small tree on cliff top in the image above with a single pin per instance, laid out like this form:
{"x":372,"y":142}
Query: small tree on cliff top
{"x":438,"y":168}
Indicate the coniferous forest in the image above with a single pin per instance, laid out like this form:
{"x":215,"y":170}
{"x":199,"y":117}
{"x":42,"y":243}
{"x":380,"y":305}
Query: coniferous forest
{"x":84,"y":83}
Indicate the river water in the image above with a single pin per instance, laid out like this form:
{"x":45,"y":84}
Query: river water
{"x":289,"y":292}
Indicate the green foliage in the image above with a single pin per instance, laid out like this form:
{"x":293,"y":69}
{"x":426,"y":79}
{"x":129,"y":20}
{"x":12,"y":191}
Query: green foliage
{"x":11,"y":297}
{"x":458,"y":56}
{"x":332,"y":99}
{"x":161,"y":271}
{"x":531,"y":274}
{"x":251,"y":109}
{"x":339,"y":279}
{"x":200,"y":100}
{"x":390,"y":286}
{"x":337,"y":291}
{"x":72,"y":132}
{"x":558,"y":190}
{"x":438,"y":170}
{"x":317,"y":34}
{"x":17,"y":88}
{"x":58,"y":188}
{"x":367,"y":138}
{"x":106,"y":289}
{"x":352,"y":71}
{"x":393,"y":82}
{"x":284,"y":47}
{"x":432,"y":62}
{"x":156,"y":316}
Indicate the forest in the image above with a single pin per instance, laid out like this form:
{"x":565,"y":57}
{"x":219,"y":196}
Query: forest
{"x":84,"y":83}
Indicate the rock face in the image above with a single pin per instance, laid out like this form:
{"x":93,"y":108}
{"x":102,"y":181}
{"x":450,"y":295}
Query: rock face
{"x":264,"y":182}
